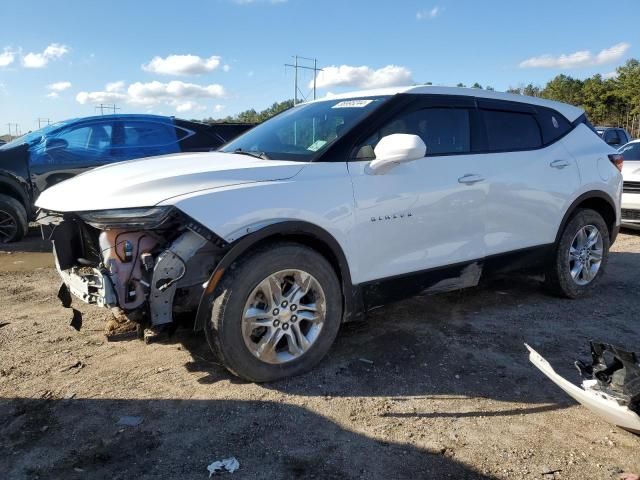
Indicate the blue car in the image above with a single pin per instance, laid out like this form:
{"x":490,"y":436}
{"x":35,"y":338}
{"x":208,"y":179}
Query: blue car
{"x":40,"y":159}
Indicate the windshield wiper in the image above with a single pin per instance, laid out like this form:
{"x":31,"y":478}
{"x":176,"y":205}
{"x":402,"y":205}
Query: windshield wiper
{"x":251,"y":153}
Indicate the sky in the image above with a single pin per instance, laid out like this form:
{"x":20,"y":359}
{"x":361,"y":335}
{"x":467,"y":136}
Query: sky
{"x":213,"y":58}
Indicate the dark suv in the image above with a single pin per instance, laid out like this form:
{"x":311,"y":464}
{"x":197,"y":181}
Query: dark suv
{"x":40,"y":159}
{"x":616,"y":137}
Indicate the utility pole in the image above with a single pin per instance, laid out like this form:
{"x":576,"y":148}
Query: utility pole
{"x":102,"y":107}
{"x":43,"y":120}
{"x":296,"y":65}
{"x":16,"y":129}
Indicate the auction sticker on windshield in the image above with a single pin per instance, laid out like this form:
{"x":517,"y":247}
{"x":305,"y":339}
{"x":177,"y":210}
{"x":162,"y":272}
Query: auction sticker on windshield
{"x":352,"y":104}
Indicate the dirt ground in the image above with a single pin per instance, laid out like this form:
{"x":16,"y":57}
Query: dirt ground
{"x":434,"y":387}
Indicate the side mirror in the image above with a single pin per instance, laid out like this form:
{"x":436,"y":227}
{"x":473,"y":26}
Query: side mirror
{"x":55,"y":144}
{"x":397,"y":148}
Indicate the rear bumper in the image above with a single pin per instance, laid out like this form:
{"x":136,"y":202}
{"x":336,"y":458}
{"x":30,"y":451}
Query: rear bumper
{"x":630,"y":212}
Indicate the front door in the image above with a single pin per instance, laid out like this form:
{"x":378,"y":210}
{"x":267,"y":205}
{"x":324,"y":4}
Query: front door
{"x":424,"y":214}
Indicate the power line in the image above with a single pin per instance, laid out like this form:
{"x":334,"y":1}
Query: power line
{"x":43,"y":120}
{"x":296,"y":65}
{"x":103,"y":106}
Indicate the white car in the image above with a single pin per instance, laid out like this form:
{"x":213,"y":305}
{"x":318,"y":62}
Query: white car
{"x":335,"y":207}
{"x":631,"y":188}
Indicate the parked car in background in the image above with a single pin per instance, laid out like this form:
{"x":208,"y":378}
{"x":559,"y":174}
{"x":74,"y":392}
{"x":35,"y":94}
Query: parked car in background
{"x":336,"y":207}
{"x":36,"y":161}
{"x":616,"y":137}
{"x":631,"y":186}
{"x":2,"y":142}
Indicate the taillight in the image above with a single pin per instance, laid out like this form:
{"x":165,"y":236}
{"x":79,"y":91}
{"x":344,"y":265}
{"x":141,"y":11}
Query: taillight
{"x":617,"y":159}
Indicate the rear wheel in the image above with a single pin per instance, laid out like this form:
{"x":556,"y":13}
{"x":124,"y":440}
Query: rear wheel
{"x":581,"y":255}
{"x":276,"y":313}
{"x":13,"y":220}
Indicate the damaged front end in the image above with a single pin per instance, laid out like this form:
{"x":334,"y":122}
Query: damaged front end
{"x":145,"y":264}
{"x":610,"y":384}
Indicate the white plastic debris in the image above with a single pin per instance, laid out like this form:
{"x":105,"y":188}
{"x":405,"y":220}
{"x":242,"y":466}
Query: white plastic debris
{"x":228,"y":465}
{"x":598,"y":402}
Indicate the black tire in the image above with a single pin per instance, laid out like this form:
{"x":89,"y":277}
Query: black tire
{"x":223,"y":330}
{"x":14,"y":220}
{"x":558,"y":276}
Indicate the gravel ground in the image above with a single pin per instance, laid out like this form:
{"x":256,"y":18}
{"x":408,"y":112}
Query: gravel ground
{"x":432,"y":387}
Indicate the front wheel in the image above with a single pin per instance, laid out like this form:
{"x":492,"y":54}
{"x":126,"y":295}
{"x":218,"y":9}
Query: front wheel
{"x":13,"y":220}
{"x":581,"y":255}
{"x":276,"y":313}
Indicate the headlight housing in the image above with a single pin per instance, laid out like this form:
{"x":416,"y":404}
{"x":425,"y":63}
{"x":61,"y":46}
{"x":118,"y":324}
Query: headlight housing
{"x":145,"y":218}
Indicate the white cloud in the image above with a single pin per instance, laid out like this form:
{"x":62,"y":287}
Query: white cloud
{"x":59,"y":86}
{"x":189,"y":107}
{"x":226,"y":68}
{"x":218,"y":108}
{"x":182,"y":65}
{"x":154,"y":92}
{"x":100,"y":97}
{"x":428,"y":14}
{"x":40,"y":60}
{"x":53,"y":95}
{"x":609,"y":75}
{"x":7,"y":57}
{"x":582,"y":58}
{"x":362,"y":77}
{"x":178,"y":94}
{"x":115,"y":86}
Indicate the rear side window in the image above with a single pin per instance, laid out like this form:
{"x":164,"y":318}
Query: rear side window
{"x":148,"y":134}
{"x":511,"y":130}
{"x":612,"y":137}
{"x":552,"y":124}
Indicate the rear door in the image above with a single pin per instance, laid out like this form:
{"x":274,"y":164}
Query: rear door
{"x":531,"y":175}
{"x":139,"y":138}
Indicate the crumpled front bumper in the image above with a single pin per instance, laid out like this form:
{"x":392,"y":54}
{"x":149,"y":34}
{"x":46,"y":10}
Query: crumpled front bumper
{"x":604,"y":402}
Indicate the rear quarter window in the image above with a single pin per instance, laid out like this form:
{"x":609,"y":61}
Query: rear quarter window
{"x":552,"y":125}
{"x":511,"y":130}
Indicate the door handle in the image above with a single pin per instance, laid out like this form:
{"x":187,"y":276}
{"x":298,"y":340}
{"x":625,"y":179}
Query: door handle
{"x":559,"y":164}
{"x":470,"y":179}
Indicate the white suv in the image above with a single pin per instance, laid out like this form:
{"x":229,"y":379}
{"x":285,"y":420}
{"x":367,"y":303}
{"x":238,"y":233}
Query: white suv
{"x":335,"y":207}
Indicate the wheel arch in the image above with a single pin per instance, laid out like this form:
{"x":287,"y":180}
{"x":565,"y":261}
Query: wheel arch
{"x":13,"y":189}
{"x":596,"y":200}
{"x":301,"y":232}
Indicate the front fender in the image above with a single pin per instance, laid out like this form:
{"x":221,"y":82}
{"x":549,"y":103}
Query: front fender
{"x":353,"y":306}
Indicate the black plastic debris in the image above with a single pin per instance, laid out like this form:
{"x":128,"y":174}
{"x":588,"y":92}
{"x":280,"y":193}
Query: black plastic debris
{"x":617,"y":372}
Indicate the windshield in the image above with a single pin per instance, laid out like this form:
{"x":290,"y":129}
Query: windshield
{"x":31,"y":136}
{"x":631,"y":151}
{"x":301,"y":132}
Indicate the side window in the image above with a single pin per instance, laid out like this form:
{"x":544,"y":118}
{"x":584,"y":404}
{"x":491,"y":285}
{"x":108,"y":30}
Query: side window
{"x":443,"y":130}
{"x":611,"y":136}
{"x":95,"y":137}
{"x":552,"y":124}
{"x":623,"y":136}
{"x":511,"y":130}
{"x":148,"y":134}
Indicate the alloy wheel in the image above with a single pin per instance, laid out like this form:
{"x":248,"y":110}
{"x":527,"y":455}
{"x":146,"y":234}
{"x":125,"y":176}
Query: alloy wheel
{"x":283,"y":316}
{"x":8,"y":226}
{"x":585,"y":255}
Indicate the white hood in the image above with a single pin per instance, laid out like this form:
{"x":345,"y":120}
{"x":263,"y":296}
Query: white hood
{"x":149,"y":181}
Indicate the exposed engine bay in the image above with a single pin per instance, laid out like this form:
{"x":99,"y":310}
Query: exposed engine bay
{"x":144,"y":275}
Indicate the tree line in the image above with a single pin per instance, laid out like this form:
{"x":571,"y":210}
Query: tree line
{"x":612,"y":101}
